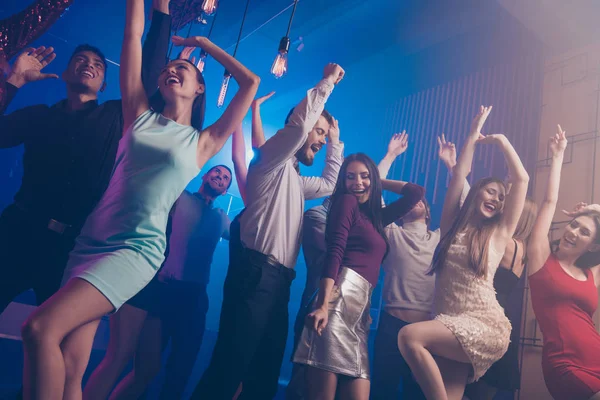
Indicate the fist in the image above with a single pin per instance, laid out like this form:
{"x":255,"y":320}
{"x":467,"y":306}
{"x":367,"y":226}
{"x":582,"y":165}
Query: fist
{"x":334,"y":72}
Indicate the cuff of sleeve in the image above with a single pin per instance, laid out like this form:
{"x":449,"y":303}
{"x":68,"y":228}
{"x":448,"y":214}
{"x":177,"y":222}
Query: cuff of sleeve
{"x":325,"y":86}
{"x":335,"y":150}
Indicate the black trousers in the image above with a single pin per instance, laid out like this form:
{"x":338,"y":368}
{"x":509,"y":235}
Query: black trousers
{"x":252,"y":331}
{"x":31,"y":256}
{"x":389,"y":367}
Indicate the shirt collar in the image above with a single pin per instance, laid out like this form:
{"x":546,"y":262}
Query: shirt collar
{"x":62,"y":105}
{"x":415,"y":226}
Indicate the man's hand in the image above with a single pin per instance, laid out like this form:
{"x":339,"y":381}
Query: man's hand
{"x":28,"y":66}
{"x":333,"y":72}
{"x":334,"y":132}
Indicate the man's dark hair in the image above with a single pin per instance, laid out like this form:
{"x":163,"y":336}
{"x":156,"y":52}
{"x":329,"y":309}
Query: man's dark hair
{"x":228,"y":169}
{"x":325,"y":115}
{"x":86,"y":47}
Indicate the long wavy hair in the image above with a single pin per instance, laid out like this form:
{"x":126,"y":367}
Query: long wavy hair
{"x":525,"y":225}
{"x":589,"y":258}
{"x":477,"y":237}
{"x":372,"y":208}
{"x":157,"y":101}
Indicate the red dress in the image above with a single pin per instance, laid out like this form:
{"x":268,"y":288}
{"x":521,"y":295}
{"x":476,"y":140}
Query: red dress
{"x":564,"y":307}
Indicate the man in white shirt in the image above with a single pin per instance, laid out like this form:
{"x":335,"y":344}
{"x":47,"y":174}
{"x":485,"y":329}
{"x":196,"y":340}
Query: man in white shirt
{"x":254,"y":317}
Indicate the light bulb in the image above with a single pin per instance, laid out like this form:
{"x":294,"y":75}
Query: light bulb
{"x":223,"y":91}
{"x":210,"y":6}
{"x":201,"y":61}
{"x":279,"y":67}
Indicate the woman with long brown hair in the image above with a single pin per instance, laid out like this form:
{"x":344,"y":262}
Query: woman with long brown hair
{"x":470,"y":331}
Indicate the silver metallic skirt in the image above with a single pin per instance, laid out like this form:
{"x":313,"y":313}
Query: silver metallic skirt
{"x":342,"y":347}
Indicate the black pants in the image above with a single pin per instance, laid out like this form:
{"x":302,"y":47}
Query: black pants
{"x":31,"y":256}
{"x":252,"y":331}
{"x":389,"y":367}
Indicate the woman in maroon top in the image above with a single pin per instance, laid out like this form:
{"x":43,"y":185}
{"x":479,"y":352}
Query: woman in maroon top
{"x":564,"y":284}
{"x":334,"y":341}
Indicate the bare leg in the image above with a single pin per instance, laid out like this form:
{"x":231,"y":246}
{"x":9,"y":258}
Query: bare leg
{"x":418,"y":343}
{"x":455,"y":376}
{"x":76,"y":304}
{"x":320,"y":384}
{"x":76,"y":349}
{"x":354,"y":389}
{"x":146,"y":363}
{"x":125,"y":327}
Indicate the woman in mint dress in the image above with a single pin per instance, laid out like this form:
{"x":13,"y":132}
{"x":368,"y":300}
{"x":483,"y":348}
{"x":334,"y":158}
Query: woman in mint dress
{"x":123,"y":241}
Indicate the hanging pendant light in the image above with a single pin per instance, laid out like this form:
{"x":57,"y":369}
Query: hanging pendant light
{"x":227,"y":75}
{"x":204,"y":54}
{"x":280,"y":65}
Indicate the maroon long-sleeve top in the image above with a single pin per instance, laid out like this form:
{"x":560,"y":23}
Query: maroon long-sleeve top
{"x":352,"y":239}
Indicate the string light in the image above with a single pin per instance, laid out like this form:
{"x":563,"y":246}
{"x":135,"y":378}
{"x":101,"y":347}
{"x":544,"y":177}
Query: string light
{"x":227,"y":75}
{"x":280,"y":65}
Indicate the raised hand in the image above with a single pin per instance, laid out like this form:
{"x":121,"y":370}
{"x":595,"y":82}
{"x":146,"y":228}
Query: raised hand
{"x":318,"y":320}
{"x":558,"y":142}
{"x":28,"y":66}
{"x":186,"y":53}
{"x":446,"y":151}
{"x":334,"y":72}
{"x":258,"y":101}
{"x":582,"y":208}
{"x":334,"y":132}
{"x":192,"y":41}
{"x":479,"y":121}
{"x":398,"y":144}
{"x":494,"y":138}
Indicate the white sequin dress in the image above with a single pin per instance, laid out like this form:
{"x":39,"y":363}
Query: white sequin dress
{"x":467,"y":305}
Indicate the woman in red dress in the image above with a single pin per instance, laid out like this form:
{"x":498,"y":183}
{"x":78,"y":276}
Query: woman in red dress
{"x":564,"y":282}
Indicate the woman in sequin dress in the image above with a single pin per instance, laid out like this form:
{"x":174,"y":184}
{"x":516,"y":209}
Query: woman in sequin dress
{"x":470,"y":331}
{"x":564,"y":280}
{"x":123,"y":241}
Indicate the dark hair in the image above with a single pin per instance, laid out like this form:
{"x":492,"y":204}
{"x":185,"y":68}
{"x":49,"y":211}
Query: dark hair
{"x":86,"y":47}
{"x":372,"y":208}
{"x":590,"y":258}
{"x":477,"y":239}
{"x":157,"y":102}
{"x":325,"y":114}
{"x":227,"y":168}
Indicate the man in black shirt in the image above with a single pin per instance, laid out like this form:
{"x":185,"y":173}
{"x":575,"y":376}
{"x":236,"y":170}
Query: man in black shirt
{"x":70,"y":149}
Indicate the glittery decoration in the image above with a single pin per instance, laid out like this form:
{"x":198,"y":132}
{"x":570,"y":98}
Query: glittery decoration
{"x":466,"y":304}
{"x":183,"y":12}
{"x":19,"y":30}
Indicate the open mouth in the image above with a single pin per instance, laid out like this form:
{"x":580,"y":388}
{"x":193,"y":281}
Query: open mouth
{"x":172,"y":80}
{"x":316,"y":147}
{"x":87,"y":73}
{"x":215,"y":180}
{"x":359,"y":191}
{"x":570,"y":242}
{"x":489,"y":207}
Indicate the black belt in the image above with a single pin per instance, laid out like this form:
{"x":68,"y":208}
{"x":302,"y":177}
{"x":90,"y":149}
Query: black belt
{"x":50,"y":223}
{"x":268,"y":259}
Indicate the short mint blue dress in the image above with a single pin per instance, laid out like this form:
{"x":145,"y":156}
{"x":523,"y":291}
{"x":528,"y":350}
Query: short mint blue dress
{"x":122,"y":244}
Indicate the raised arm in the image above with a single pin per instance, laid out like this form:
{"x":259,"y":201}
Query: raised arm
{"x":258,"y":135}
{"x":238,"y":155}
{"x":315,"y":187}
{"x":447,"y":155}
{"x":461,"y":171}
{"x":287,"y":141}
{"x":156,"y":45}
{"x":397,"y":145}
{"x":538,"y":249}
{"x":411,"y":195}
{"x":135,"y":101}
{"x":515,"y":199}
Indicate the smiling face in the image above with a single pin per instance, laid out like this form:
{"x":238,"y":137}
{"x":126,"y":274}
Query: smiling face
{"x":217,"y":180}
{"x":490,"y":200}
{"x":358,"y":181}
{"x":579,"y":237}
{"x":85,"y":72}
{"x":317,"y":138}
{"x":180,"y":79}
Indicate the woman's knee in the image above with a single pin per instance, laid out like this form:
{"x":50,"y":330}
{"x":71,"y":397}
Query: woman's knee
{"x":35,"y":330}
{"x":407,"y":339}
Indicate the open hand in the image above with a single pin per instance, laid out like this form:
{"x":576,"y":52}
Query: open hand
{"x":318,"y":320}
{"x":259,"y":100}
{"x":334,"y":72}
{"x":558,"y":142}
{"x":446,"y":151}
{"x":398,"y":144}
{"x":582,"y":208}
{"x":479,"y":121}
{"x":186,"y":53}
{"x":28,"y":66}
{"x":334,"y":132}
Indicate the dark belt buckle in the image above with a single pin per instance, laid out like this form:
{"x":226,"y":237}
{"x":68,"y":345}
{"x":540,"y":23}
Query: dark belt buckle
{"x":57,"y":226}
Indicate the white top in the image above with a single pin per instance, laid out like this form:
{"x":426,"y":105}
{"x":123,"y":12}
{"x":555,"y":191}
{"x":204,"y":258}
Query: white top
{"x":272,"y":222}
